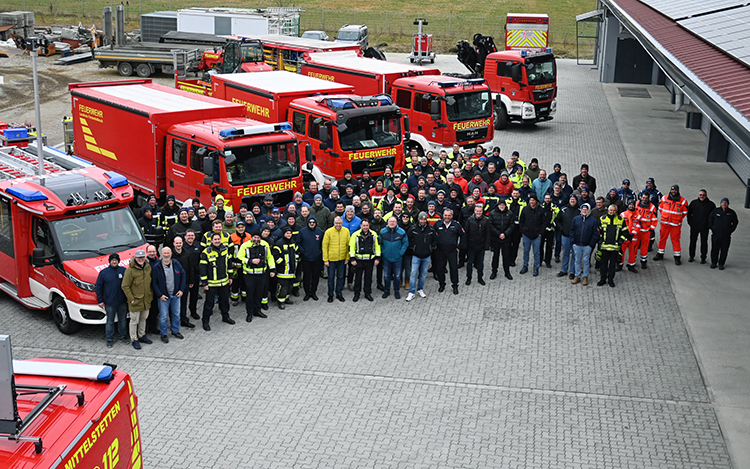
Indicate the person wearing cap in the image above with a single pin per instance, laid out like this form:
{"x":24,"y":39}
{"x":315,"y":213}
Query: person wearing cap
{"x":626,"y":193}
{"x":517,"y":177}
{"x":422,"y":239}
{"x":243,"y":211}
{"x":310,"y":241}
{"x":136,"y":285}
{"x":584,"y":196}
{"x":413,"y":180}
{"x":321,"y":213}
{"x":229,"y":226}
{"x":653,"y":192}
{"x":387,"y":177}
{"x":532,"y":226}
{"x":585,"y":177}
{"x":238,"y":238}
{"x":647,"y":219}
{"x":613,"y":198}
{"x":258,"y":267}
{"x":427,"y":165}
{"x":584,"y":234}
{"x":699,"y":212}
{"x":722,"y":222}
{"x":480,"y":165}
{"x":151,"y":203}
{"x":514,"y":162}
{"x":297,"y":201}
{"x":672,"y":211}
{"x":496,"y":159}
{"x":208,"y":223}
{"x":613,"y":233}
{"x":533,"y":170}
{"x":441,"y":203}
{"x":556,"y":172}
{"x":564,"y":221}
{"x":169,"y":212}
{"x":286,"y":259}
{"x":265,"y":209}
{"x":332,"y":199}
{"x":630,"y":247}
{"x":348,"y":179}
{"x":348,"y":195}
{"x":504,"y":185}
{"x":336,"y":257}
{"x":112,"y":300}
{"x":403,"y":194}
{"x":366,"y":182}
{"x":169,"y":280}
{"x":477,"y":182}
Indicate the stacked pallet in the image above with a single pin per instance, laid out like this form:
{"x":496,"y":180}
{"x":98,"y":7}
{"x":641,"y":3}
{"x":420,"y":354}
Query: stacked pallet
{"x":16,"y":22}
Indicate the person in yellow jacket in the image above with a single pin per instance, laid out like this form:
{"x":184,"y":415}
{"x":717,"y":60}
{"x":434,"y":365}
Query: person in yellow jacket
{"x":257,"y":266}
{"x":335,"y":257}
{"x":364,"y":254}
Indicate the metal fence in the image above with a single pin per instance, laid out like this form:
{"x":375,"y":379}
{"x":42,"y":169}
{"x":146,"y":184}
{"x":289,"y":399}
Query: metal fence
{"x":384,"y":26}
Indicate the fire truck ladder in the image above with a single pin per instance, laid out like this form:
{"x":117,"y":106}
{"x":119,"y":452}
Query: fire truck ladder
{"x":16,"y":163}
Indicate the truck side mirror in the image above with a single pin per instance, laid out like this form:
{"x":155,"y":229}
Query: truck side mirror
{"x":323,"y":137}
{"x":308,"y":153}
{"x":208,"y":166}
{"x":407,"y":132}
{"x":38,"y":259}
{"x":208,"y":180}
{"x":516,"y":74}
{"x":230,"y":159}
{"x":435,"y":110}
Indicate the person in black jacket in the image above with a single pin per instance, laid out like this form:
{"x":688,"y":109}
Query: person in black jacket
{"x":722,"y":222}
{"x":532,"y":226}
{"x":183,"y":224}
{"x":193,"y":248}
{"x":699,"y":211}
{"x":450,"y":238}
{"x":422,"y":240}
{"x":477,"y":240}
{"x":310,"y":240}
{"x":112,"y":299}
{"x":502,"y":224}
{"x":181,"y":255}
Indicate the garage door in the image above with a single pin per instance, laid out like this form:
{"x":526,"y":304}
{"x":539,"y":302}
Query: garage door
{"x":739,"y":162}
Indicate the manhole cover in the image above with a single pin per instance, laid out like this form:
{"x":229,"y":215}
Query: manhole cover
{"x":634,"y":93}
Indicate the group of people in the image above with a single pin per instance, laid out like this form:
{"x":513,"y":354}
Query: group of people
{"x":439,"y":215}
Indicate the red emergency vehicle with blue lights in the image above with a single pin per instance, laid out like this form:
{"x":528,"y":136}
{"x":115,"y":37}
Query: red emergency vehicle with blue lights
{"x":57,"y":231}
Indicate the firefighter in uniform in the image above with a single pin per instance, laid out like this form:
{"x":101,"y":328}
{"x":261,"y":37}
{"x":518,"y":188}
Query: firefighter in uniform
{"x":647,"y":223}
{"x":216,"y":226}
{"x":515,"y":205}
{"x":672,"y":211}
{"x":364,"y":254}
{"x":548,"y":236}
{"x":630,"y":247}
{"x":238,"y":286}
{"x":286,"y":258}
{"x":169,"y":213}
{"x":216,"y":277}
{"x":613,"y":232}
{"x":257,"y":265}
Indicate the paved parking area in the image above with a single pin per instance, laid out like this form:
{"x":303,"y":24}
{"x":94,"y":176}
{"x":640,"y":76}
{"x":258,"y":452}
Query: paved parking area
{"x":527,"y":373}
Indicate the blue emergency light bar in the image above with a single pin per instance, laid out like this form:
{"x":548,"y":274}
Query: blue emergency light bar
{"x":476,"y":81}
{"x":26,"y":195}
{"x":116,"y":180}
{"x":254,"y":130}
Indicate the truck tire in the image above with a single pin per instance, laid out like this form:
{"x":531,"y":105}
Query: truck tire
{"x":125,"y":69}
{"x":143,"y":70}
{"x":501,"y":116}
{"x":62,"y":318}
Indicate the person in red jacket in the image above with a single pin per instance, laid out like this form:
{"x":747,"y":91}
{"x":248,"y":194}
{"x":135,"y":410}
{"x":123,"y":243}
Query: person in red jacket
{"x":630,"y":247}
{"x":504,"y":185}
{"x":672,"y":211}
{"x":647,"y":222}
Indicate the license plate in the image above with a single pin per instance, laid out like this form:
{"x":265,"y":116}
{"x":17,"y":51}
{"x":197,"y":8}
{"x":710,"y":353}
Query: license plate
{"x":542,"y":109}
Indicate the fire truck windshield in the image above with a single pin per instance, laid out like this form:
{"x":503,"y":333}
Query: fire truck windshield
{"x":541,"y":73}
{"x":263,"y":163}
{"x":371,"y":131}
{"x":251,"y":52}
{"x":467,"y":106}
{"x":97,"y":234}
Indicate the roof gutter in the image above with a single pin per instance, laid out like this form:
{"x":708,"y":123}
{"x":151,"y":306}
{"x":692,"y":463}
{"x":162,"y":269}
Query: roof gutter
{"x":732,"y":124}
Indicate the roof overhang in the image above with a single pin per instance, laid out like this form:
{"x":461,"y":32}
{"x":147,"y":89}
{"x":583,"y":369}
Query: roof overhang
{"x":726,"y":118}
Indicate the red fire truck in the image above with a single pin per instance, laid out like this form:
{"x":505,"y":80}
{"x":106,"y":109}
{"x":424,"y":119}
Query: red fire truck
{"x":57,"y":231}
{"x":441,"y":110}
{"x":65,"y":414}
{"x":170,"y":141}
{"x":343,"y":130}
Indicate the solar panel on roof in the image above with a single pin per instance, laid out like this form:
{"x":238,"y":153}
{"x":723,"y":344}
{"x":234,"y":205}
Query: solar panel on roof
{"x":677,"y":9}
{"x":727,"y":30}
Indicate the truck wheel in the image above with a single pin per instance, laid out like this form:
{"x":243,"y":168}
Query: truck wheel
{"x":143,"y":70}
{"x":501,"y":117}
{"x":62,"y":318}
{"x":125,"y":69}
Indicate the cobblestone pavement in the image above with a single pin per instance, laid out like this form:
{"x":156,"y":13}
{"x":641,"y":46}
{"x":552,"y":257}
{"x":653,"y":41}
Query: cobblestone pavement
{"x":529,"y":373}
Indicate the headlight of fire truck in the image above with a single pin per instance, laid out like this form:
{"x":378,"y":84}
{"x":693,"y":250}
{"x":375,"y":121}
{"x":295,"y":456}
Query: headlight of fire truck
{"x":553,"y":107}
{"x":527,"y":111}
{"x":80,"y":283}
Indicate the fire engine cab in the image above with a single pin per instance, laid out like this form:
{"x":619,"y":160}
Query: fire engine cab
{"x":57,"y":230}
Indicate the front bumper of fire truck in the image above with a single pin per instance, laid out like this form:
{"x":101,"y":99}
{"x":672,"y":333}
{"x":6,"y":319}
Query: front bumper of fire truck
{"x":85,"y":313}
